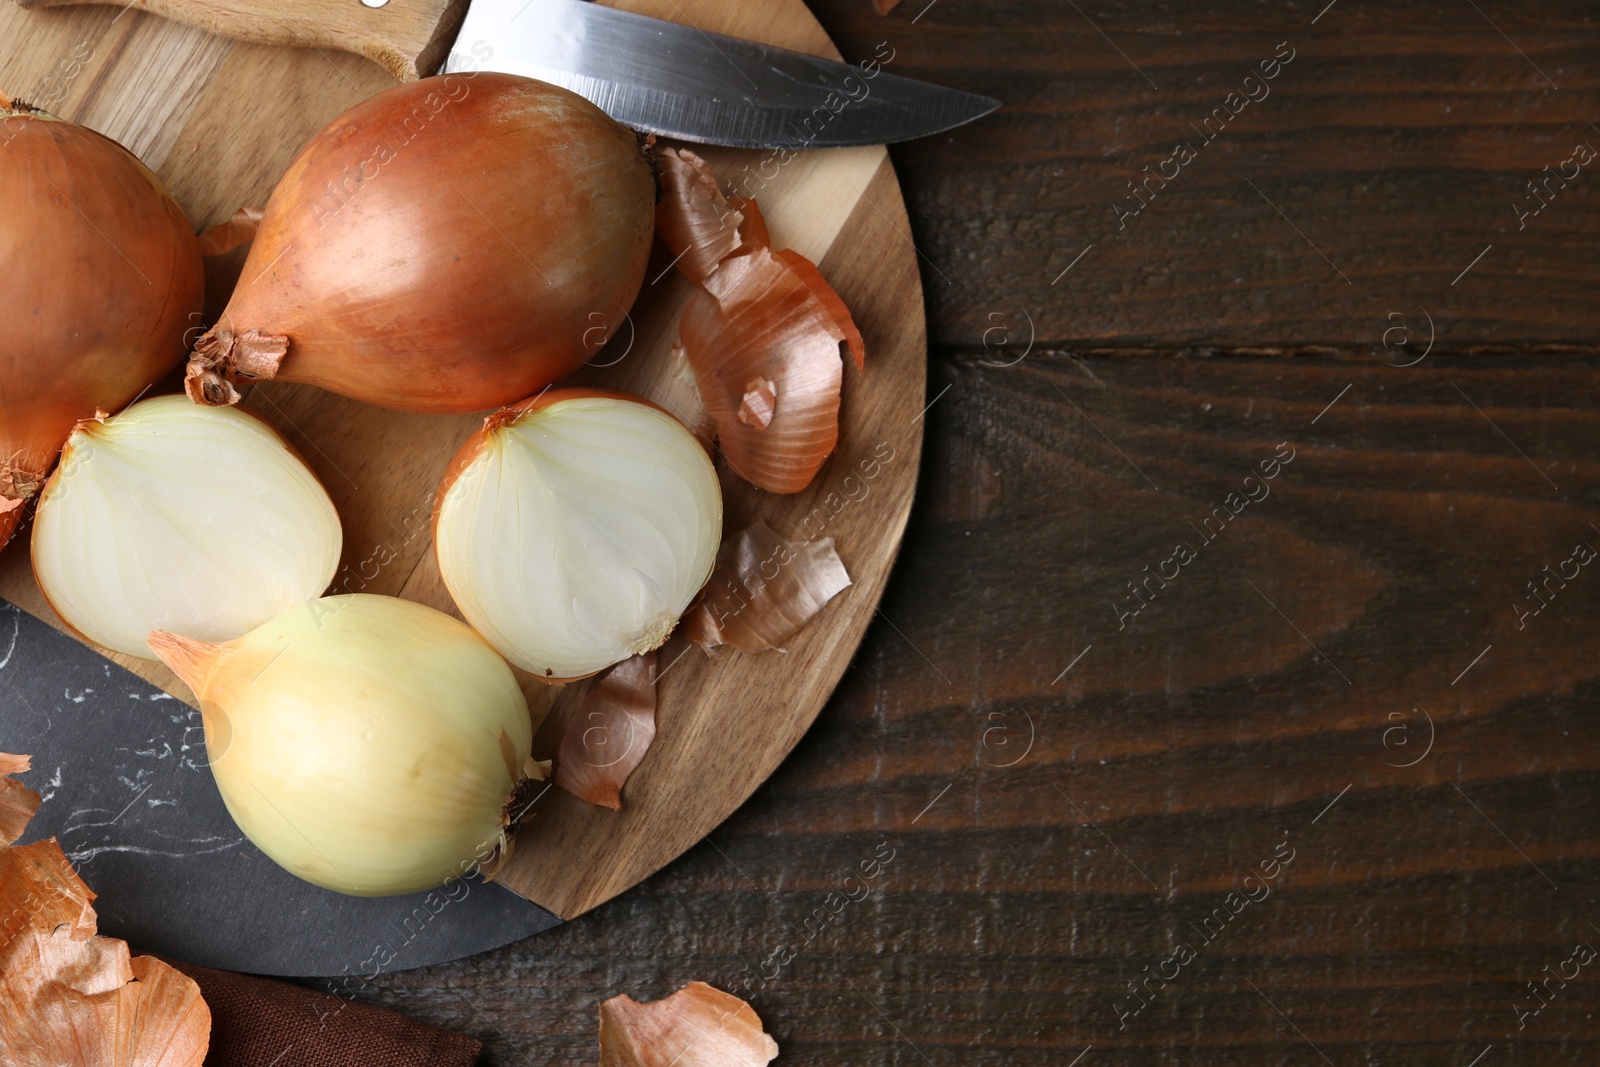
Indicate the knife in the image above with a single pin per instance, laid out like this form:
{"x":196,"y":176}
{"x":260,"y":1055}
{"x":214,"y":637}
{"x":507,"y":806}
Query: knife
{"x":655,"y":76}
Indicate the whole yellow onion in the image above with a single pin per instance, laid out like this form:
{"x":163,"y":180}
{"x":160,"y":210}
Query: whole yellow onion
{"x":366,"y":744}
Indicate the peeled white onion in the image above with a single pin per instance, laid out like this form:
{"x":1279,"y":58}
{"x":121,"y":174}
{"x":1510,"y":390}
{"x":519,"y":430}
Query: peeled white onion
{"x":575,"y":528}
{"x":169,"y":516}
{"x":366,"y":744}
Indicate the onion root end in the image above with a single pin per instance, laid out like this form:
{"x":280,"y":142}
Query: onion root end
{"x":223,"y":361}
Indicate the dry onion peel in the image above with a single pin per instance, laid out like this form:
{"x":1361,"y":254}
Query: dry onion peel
{"x":753,"y":227}
{"x":68,"y":996}
{"x":679,"y":393}
{"x":103,"y":278}
{"x":366,"y":744}
{"x":17,"y":801}
{"x":762,"y":332}
{"x":764,"y":589}
{"x":174,"y":517}
{"x":698,"y":1026}
{"x":388,"y":270}
{"x":575,"y":528}
{"x":828,"y":304}
{"x":238,"y":229}
{"x":776,"y":339}
{"x":608,"y":738}
{"x":696,"y":222}
{"x":759,"y":402}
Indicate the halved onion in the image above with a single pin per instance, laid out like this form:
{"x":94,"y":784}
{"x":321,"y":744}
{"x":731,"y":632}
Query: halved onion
{"x":169,"y":516}
{"x":574,"y":528}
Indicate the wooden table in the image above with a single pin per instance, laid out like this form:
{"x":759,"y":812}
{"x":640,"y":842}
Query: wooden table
{"x":1340,"y":675}
{"x":1321,"y":788}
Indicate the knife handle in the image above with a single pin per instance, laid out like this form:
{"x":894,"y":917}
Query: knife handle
{"x":408,"y":38}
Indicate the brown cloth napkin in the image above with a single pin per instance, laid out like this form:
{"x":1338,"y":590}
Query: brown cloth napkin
{"x":256,"y":1022}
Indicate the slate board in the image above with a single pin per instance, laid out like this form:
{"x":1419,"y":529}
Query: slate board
{"x":121,"y":767}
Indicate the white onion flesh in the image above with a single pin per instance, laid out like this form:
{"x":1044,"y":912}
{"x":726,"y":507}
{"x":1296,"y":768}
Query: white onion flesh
{"x":579,"y":532}
{"x":174,"y":517}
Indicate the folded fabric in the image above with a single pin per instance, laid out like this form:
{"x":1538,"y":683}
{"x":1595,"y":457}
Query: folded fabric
{"x":257,"y":1022}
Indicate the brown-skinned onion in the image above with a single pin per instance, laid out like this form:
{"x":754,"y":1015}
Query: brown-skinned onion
{"x":103,"y":278}
{"x":450,"y":245}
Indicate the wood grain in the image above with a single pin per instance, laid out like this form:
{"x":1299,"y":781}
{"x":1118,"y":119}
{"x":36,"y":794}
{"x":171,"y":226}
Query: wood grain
{"x":724,"y":722}
{"x":1032,"y":883}
{"x":1397,"y":141}
{"x":1183,"y":749}
{"x":407,"y":38}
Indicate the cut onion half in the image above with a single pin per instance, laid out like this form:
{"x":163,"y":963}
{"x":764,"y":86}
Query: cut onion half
{"x":575,"y":528}
{"x":170,"y":516}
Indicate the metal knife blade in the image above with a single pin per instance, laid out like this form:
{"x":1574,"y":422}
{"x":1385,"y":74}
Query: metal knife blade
{"x":681,"y":82}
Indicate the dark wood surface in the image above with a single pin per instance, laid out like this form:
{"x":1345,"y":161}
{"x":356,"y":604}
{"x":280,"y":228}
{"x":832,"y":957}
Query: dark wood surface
{"x":1337,"y":677}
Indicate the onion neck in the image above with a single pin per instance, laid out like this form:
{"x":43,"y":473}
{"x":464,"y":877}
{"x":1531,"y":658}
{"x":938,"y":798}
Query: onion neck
{"x":21,"y":109}
{"x":223,"y":362}
{"x":501,"y":419}
{"x":191,"y":660}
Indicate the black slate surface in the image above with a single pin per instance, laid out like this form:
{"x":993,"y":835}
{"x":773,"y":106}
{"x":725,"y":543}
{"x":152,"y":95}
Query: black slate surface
{"x":121,"y":768}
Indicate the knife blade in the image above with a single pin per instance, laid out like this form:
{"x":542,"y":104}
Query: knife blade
{"x":682,"y":82}
{"x":659,"y":77}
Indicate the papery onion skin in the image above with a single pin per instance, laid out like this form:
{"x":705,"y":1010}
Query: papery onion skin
{"x":698,"y":1026}
{"x":761,"y":331}
{"x":608,"y":738}
{"x":449,"y":245}
{"x":609,"y":612}
{"x":216,"y":524}
{"x":68,"y":996}
{"x":764,"y":590}
{"x":103,"y":278}
{"x":366,"y":744}
{"x":694,"y":220}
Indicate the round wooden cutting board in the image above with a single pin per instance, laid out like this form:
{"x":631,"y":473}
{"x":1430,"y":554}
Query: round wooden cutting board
{"x":219,"y":121}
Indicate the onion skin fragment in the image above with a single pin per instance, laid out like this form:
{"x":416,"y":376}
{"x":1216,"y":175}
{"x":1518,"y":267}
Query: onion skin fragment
{"x":770,"y":327}
{"x":761,"y":330}
{"x":764,"y":589}
{"x":608,"y":738}
{"x":698,"y":1026}
{"x":18,"y":803}
{"x":696,"y":222}
{"x":760,"y":399}
{"x":366,"y":744}
{"x":442,"y":247}
{"x":67,"y":995}
{"x":103,"y":279}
